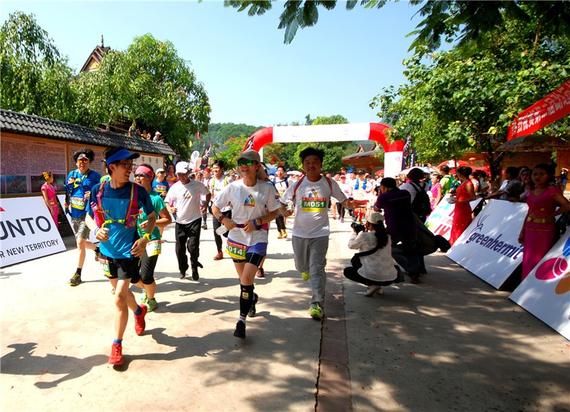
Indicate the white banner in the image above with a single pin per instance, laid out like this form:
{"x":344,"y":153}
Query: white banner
{"x":92,"y":233}
{"x":321,"y":133}
{"x":27,"y":230}
{"x":392,"y":163}
{"x":489,"y":247}
{"x":441,"y":218}
{"x":545,"y":292}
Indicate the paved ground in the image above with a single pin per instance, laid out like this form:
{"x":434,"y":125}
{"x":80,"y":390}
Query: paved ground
{"x":450,"y":343}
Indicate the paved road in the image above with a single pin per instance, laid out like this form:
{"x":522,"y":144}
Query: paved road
{"x":450,"y":343}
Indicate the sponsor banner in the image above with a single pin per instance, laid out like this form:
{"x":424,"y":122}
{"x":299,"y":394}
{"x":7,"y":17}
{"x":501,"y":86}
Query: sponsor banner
{"x":321,"y":133}
{"x":549,"y":109}
{"x":489,"y":247}
{"x":440,"y":219}
{"x":546,"y":290}
{"x":92,"y":233}
{"x":27,"y":231}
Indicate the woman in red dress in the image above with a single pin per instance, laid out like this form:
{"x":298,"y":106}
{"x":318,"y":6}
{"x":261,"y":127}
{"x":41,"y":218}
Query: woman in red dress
{"x":465,"y":193}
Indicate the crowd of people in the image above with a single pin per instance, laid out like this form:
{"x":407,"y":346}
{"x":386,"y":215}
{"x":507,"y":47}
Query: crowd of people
{"x":387,"y":216}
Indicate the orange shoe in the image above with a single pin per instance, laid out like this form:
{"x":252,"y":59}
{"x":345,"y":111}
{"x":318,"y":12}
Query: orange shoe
{"x":140,"y":323}
{"x":219,"y":255}
{"x":116,"y":357}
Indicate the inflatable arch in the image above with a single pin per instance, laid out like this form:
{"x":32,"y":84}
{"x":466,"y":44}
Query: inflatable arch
{"x":333,"y":133}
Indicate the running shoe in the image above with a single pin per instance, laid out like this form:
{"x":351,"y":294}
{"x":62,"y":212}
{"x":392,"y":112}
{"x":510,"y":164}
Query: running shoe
{"x":75,"y":279}
{"x":260,"y":273}
{"x":140,"y":323}
{"x":219,"y":255}
{"x":195,"y":275}
{"x":204,"y":226}
{"x":116,"y":357}
{"x":240,"y":330}
{"x":252,"y":311}
{"x":305,"y":276}
{"x":373,"y":290}
{"x":316,"y":311}
{"x":151,"y":304}
{"x":284,"y":234}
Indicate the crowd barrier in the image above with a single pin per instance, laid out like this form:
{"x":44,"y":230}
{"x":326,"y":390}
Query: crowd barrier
{"x":27,"y":231}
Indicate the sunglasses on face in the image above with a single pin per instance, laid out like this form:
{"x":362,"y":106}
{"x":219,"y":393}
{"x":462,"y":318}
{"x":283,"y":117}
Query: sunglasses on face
{"x":125,"y":164}
{"x":141,"y":175}
{"x":246,"y":162}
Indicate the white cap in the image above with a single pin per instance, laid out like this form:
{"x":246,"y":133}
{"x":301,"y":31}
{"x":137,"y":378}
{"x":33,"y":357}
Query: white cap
{"x":374,"y":217}
{"x":182,"y":167}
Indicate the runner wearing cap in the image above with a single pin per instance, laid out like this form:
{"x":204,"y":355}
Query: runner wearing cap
{"x":254,"y":204}
{"x":310,"y":197}
{"x":183,"y":201}
{"x":217,"y":183}
{"x":144,"y":176}
{"x":159,"y":184}
{"x":113,"y":209}
{"x":77,"y":189}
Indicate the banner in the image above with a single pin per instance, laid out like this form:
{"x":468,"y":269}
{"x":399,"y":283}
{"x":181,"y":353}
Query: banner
{"x":27,"y":230}
{"x":546,"y":290}
{"x":441,"y":218}
{"x":489,"y":247}
{"x":554,"y":106}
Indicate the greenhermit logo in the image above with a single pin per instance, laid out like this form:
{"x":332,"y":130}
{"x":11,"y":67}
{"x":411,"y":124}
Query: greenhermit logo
{"x":313,"y":204}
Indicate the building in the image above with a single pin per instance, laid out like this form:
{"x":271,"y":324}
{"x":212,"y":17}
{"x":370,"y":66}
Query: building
{"x":31,"y":144}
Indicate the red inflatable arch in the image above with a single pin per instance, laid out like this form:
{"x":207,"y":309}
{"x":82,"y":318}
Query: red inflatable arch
{"x":324,"y":133}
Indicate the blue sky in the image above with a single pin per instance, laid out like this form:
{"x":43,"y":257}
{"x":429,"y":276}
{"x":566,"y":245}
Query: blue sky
{"x":335,"y":67}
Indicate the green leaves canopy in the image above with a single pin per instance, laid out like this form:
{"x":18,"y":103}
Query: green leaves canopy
{"x":150,"y":85}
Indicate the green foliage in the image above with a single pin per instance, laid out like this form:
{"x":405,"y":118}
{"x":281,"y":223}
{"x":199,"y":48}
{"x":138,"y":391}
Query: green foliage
{"x":233,"y":146}
{"x":464,"y":99}
{"x":35,"y":78}
{"x":150,"y":85}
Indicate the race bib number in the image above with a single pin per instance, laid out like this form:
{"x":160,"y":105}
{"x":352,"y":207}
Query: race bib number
{"x":78,"y":202}
{"x":314,"y":204}
{"x":236,"y":250}
{"x":153,"y":248}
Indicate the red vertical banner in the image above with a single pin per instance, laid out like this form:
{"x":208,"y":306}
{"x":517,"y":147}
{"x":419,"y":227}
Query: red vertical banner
{"x":553,"y":107}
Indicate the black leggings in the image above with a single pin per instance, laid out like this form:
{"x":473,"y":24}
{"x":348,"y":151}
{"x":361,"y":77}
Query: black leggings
{"x":216,"y":223}
{"x":280,"y":221}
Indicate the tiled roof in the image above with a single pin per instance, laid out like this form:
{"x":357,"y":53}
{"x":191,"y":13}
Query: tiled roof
{"x":26,"y":124}
{"x":97,"y":54}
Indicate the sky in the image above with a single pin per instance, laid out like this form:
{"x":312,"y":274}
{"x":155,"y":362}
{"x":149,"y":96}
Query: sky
{"x":250,"y":75}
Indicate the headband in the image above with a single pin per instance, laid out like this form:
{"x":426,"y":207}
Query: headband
{"x":145,"y":171}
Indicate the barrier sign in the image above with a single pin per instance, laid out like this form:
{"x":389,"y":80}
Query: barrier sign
{"x":545,"y":292}
{"x":441,"y":218}
{"x":27,"y":231}
{"x":489,"y":247}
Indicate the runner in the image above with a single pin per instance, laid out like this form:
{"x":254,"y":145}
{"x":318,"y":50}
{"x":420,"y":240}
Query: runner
{"x":77,"y":190}
{"x":254,"y":204}
{"x":144,"y":176}
{"x":217,"y":183}
{"x":183,"y":201}
{"x":310,"y":196}
{"x":113,"y":209}
{"x":281,"y":184}
{"x":160,"y":185}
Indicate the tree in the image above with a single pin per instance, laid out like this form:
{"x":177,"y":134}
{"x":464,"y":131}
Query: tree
{"x":35,"y":77}
{"x":464,"y":99}
{"x":148,"y":84}
{"x":462,"y":21}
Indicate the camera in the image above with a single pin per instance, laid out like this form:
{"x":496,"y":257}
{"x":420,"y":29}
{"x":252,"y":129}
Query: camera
{"x":357,"y":227}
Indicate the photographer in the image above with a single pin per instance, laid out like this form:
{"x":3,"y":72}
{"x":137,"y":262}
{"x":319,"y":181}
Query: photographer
{"x":373,"y":266}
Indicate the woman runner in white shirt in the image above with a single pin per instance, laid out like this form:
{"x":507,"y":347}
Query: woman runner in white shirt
{"x":254,"y":204}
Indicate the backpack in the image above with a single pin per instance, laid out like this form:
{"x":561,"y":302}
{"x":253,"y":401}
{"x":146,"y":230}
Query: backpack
{"x":421,"y":205}
{"x":133,"y":211}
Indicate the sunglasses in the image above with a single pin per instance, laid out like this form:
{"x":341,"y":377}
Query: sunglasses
{"x":246,"y":162}
{"x":141,"y":175}
{"x":126,"y":164}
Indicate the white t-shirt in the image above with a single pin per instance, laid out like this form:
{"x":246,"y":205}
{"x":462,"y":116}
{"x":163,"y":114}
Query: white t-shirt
{"x":216,"y":186}
{"x":312,"y":206}
{"x":248,"y":203}
{"x":186,"y":200}
{"x":378,"y":266}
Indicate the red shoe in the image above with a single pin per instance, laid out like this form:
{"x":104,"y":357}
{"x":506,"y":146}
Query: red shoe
{"x":139,"y":321}
{"x":219,"y":256}
{"x":116,"y":358}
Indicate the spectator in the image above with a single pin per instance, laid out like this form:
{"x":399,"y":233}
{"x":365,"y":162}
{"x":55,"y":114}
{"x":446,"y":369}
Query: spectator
{"x":374,"y":269}
{"x":511,"y":188}
{"x":446,"y":181}
{"x":462,"y":215}
{"x":49,"y":194}
{"x":539,"y":233}
{"x":436,"y":190}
